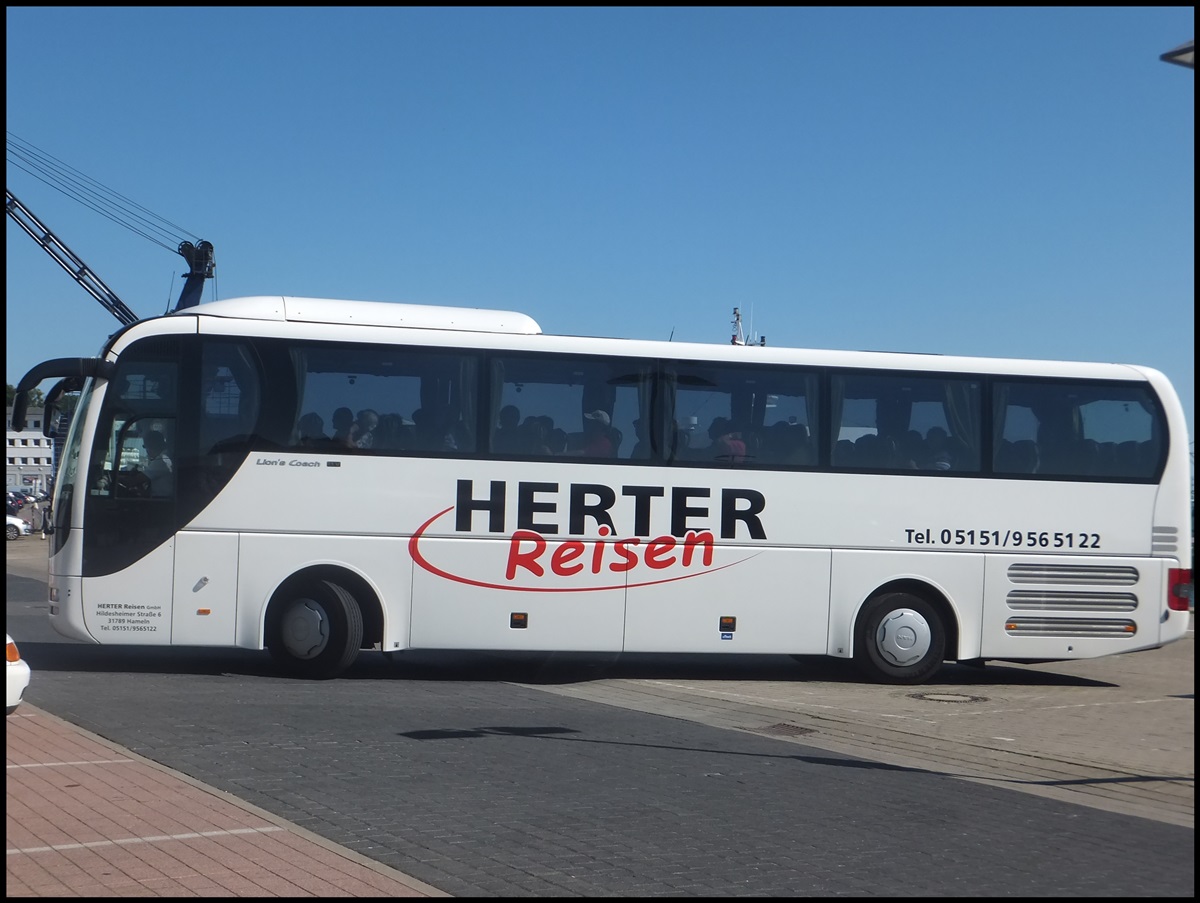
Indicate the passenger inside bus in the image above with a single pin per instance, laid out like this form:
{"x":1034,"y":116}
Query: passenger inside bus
{"x":937,"y":442}
{"x":600,"y":440}
{"x":430,"y":435}
{"x":535,"y":435}
{"x":727,"y":446}
{"x":394,"y":433}
{"x":310,"y":430}
{"x":159,"y":468}
{"x":788,"y":443}
{"x":364,"y":427}
{"x":508,"y":430}
{"x":641,"y":447}
{"x":1017,"y":457}
{"x":343,"y":427}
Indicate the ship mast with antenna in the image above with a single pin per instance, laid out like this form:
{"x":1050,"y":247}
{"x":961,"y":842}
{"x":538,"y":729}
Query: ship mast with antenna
{"x":739,"y":335}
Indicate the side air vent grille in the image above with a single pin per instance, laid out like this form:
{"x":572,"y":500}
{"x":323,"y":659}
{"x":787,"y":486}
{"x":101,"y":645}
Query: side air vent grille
{"x":1095,"y":575}
{"x":1034,"y":600}
{"x":1165,"y":539}
{"x":1068,"y":627}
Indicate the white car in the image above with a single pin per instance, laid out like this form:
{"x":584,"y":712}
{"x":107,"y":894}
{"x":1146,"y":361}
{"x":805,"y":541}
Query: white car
{"x":15,"y":527}
{"x":18,"y":676}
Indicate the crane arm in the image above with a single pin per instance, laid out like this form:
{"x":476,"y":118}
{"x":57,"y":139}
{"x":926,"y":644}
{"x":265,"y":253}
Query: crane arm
{"x":68,"y":260}
{"x":200,"y":267}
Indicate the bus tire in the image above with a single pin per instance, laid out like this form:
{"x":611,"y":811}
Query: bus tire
{"x":317,"y":630}
{"x":901,"y":639}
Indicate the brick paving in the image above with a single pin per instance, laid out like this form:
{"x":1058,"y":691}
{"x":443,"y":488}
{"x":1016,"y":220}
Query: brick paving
{"x":87,"y":818}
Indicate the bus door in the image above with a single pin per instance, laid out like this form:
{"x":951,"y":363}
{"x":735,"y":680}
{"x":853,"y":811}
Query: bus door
{"x":204,"y":598}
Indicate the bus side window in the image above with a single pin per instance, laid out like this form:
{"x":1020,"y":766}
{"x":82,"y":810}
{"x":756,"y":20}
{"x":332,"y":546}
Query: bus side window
{"x":1106,"y":459}
{"x":227,"y":410}
{"x":1148,"y":452}
{"x":1127,"y":458}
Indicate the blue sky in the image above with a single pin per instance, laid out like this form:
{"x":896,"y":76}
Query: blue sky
{"x":999,"y":182}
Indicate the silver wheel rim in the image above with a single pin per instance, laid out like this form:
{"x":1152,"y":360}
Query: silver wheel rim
{"x":305,"y":629}
{"x":903,"y":637}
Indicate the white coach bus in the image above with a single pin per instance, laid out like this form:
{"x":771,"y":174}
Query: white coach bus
{"x":343,"y":475}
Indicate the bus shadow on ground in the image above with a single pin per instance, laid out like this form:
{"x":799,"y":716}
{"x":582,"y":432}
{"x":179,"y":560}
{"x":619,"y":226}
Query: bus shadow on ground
{"x":567,"y":668}
{"x":527,"y":668}
{"x":80,"y":657}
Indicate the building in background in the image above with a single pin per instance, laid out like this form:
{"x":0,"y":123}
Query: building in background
{"x":31,"y":456}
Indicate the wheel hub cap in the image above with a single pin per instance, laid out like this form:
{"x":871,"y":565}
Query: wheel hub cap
{"x":903,"y":637}
{"x":305,"y":629}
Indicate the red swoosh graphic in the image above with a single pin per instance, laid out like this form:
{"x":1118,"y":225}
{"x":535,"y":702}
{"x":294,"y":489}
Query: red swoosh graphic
{"x":433,"y":569}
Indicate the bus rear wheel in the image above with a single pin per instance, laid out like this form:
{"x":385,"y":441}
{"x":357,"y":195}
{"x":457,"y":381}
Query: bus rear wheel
{"x":901,"y":639}
{"x":317,"y":631}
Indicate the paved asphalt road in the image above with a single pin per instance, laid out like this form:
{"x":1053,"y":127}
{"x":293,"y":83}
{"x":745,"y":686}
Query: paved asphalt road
{"x":578,"y":776}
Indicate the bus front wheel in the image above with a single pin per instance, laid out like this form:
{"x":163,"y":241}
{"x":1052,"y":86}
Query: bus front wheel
{"x":901,"y":639}
{"x":317,"y":630}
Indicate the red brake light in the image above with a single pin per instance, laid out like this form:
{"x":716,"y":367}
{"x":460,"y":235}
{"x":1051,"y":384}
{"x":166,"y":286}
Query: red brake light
{"x":1179,"y":589}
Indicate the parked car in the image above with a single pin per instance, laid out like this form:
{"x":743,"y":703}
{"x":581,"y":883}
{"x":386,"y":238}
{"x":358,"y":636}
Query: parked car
{"x":15,"y":528}
{"x":18,"y":676}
